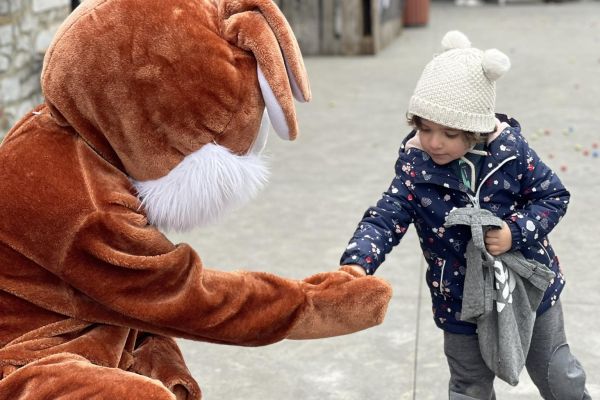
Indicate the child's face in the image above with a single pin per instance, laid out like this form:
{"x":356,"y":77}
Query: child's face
{"x":443,"y":144}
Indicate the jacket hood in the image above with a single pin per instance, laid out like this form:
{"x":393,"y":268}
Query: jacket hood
{"x":148,"y":83}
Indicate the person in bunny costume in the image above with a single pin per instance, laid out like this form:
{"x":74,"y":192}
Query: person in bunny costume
{"x":153,"y":120}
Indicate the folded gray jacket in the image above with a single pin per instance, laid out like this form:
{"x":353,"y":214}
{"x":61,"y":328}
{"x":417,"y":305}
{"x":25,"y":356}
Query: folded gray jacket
{"x":516,"y":285}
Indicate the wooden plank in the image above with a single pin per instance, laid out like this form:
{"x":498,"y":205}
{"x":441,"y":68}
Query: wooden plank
{"x":304,"y":17}
{"x":343,"y":27}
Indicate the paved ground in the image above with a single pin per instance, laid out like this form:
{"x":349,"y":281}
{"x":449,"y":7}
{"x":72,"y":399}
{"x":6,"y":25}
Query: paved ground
{"x":344,"y":159}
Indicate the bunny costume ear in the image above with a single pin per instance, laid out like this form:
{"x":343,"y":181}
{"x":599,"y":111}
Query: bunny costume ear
{"x":259,"y":26}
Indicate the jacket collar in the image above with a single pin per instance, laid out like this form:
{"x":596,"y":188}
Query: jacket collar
{"x":501,"y":145}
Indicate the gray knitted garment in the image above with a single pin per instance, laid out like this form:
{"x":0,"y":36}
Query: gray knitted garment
{"x":514,"y":284}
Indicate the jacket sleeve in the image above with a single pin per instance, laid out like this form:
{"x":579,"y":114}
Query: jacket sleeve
{"x":382,"y":226}
{"x":543,"y":199}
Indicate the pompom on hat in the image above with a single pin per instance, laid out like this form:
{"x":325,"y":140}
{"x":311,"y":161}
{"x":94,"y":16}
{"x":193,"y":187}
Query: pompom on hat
{"x":458,"y":87}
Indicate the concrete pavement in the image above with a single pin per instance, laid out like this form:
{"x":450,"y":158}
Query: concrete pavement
{"x":344,"y":159}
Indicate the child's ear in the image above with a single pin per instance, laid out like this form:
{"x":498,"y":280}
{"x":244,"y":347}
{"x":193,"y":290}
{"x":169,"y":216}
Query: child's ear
{"x":259,"y":26}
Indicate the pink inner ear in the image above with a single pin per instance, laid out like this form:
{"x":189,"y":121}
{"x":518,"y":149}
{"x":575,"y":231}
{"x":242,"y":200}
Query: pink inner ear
{"x":274,"y":109}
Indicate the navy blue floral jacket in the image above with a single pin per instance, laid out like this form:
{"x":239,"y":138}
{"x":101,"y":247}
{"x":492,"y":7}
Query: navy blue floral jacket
{"x":513,"y":183}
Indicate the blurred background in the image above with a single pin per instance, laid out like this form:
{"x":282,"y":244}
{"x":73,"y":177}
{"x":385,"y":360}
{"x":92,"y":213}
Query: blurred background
{"x":364,"y":58}
{"x":323,"y":27}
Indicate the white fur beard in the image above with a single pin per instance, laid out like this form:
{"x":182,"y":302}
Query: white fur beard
{"x":202,"y":188}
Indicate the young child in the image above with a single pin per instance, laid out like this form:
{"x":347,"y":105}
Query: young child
{"x":461,"y":154}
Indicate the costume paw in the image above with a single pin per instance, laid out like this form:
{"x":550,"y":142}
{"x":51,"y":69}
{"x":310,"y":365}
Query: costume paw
{"x":339,"y":303}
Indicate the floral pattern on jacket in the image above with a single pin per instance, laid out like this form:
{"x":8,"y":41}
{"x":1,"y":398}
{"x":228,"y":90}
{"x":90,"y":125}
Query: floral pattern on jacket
{"x":513,"y":183}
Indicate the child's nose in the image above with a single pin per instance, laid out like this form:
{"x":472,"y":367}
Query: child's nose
{"x":436,"y":141}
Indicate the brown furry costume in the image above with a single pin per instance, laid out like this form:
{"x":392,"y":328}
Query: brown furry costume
{"x":91,"y":291}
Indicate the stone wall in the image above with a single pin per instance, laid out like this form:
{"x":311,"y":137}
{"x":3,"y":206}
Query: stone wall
{"x":26,"y":29}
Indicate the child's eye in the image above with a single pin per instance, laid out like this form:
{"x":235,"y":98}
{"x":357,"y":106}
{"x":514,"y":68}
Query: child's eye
{"x":452,"y":135}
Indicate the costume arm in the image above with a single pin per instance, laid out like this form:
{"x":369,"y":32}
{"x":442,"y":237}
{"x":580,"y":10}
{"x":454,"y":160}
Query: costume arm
{"x":126,"y":272}
{"x":381,"y":228}
{"x":544,"y":200}
{"x":135,"y":276}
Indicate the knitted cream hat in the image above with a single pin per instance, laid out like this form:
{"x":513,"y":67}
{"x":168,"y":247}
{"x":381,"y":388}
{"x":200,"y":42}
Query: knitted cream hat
{"x":458,"y":87}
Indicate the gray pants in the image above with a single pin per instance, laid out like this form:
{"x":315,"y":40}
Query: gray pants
{"x":554,"y":370}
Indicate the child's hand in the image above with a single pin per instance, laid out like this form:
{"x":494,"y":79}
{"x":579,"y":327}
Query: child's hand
{"x":355,"y":270}
{"x":499,"y":240}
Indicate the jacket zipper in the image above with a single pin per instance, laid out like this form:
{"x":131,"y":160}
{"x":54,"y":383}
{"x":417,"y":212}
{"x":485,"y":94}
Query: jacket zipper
{"x":475,"y":198}
{"x":545,"y":252}
{"x":475,"y":201}
{"x":442,"y":278}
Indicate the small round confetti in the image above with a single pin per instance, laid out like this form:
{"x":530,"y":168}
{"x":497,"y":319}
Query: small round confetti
{"x":594,"y":145}
{"x":585,"y":152}
{"x":595,"y":154}
{"x":547,"y":132}
{"x":563,"y":168}
{"x":577,"y":147}
{"x":551,"y":156}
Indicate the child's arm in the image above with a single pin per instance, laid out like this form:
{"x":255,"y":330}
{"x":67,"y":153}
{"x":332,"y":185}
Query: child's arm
{"x":381,"y":228}
{"x":543,"y":199}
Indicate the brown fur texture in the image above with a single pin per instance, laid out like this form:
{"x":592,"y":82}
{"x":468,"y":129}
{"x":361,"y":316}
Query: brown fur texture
{"x":89,"y":291}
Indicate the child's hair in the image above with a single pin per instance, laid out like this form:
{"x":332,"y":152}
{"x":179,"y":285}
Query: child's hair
{"x":471,"y":138}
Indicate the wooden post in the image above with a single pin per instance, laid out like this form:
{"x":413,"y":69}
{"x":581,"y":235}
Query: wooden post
{"x":416,"y":12}
{"x":304,"y":17}
{"x":390,"y":21}
{"x":343,"y":27}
